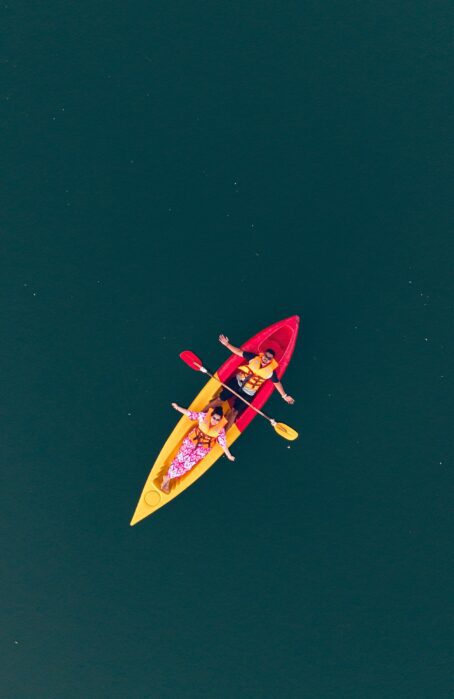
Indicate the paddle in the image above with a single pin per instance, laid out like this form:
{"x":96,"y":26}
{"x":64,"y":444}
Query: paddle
{"x":195,"y":363}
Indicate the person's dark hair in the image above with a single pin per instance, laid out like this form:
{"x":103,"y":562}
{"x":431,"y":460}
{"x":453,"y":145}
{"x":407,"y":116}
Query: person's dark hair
{"x":270,"y":351}
{"x":218,"y":411}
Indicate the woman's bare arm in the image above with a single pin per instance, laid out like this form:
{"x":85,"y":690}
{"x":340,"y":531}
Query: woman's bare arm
{"x":179,"y":409}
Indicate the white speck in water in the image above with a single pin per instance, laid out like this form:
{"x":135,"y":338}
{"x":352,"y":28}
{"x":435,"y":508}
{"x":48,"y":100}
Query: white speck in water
{"x":288,"y":447}
{"x":441,"y":462}
{"x":426,"y":339}
{"x":129,"y":414}
{"x":16,"y":643}
{"x":25,"y":284}
{"x":252,"y":225}
{"x":34,"y":293}
{"x":410,"y":282}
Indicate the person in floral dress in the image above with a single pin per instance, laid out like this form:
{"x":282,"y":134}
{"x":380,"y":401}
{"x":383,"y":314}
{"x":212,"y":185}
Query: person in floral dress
{"x":198,"y":443}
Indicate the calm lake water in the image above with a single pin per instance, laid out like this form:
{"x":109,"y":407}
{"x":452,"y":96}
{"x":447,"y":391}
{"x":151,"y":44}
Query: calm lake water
{"x":173,"y":171}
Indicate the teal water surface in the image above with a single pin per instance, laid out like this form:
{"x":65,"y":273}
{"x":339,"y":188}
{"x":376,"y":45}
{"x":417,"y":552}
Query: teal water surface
{"x":177,"y":170}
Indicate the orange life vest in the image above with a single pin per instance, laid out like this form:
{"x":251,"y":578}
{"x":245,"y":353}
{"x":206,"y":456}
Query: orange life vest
{"x":205,"y":434}
{"x":256,"y":374}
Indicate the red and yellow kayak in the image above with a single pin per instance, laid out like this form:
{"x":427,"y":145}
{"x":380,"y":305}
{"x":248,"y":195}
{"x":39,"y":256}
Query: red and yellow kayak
{"x":281,"y":337}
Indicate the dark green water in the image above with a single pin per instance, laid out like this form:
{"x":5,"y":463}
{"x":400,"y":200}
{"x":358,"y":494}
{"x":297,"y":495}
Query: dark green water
{"x":176,"y":170}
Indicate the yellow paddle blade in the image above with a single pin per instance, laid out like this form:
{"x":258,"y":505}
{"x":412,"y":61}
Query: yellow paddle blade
{"x":285,"y":431}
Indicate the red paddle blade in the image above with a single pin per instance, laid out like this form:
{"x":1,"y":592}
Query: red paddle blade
{"x":191,"y":359}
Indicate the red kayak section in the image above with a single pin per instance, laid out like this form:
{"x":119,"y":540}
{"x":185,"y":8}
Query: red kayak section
{"x":281,"y":337}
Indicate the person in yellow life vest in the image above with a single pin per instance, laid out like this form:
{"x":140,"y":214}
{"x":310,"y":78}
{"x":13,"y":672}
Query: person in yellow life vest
{"x":208,"y":432}
{"x":248,"y":379}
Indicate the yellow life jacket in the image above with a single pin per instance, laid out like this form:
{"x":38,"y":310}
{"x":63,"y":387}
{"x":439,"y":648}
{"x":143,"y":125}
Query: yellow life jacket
{"x":256,"y":374}
{"x":205,"y":434}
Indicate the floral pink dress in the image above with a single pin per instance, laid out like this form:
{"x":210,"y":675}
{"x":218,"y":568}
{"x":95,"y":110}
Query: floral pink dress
{"x":189,"y":454}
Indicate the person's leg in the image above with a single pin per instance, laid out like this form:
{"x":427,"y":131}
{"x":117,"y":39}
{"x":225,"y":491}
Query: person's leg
{"x":182,"y":462}
{"x":212,"y":404}
{"x":223,"y":396}
{"x":231,"y":417}
{"x":238,"y":409}
{"x":165,"y":483}
{"x":188,"y":456}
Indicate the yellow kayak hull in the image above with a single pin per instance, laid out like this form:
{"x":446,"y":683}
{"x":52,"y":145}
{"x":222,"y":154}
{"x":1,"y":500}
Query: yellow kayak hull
{"x":152,"y":497}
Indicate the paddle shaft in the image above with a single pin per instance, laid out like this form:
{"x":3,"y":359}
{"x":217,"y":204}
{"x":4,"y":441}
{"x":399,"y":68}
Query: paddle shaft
{"x":237,"y":395}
